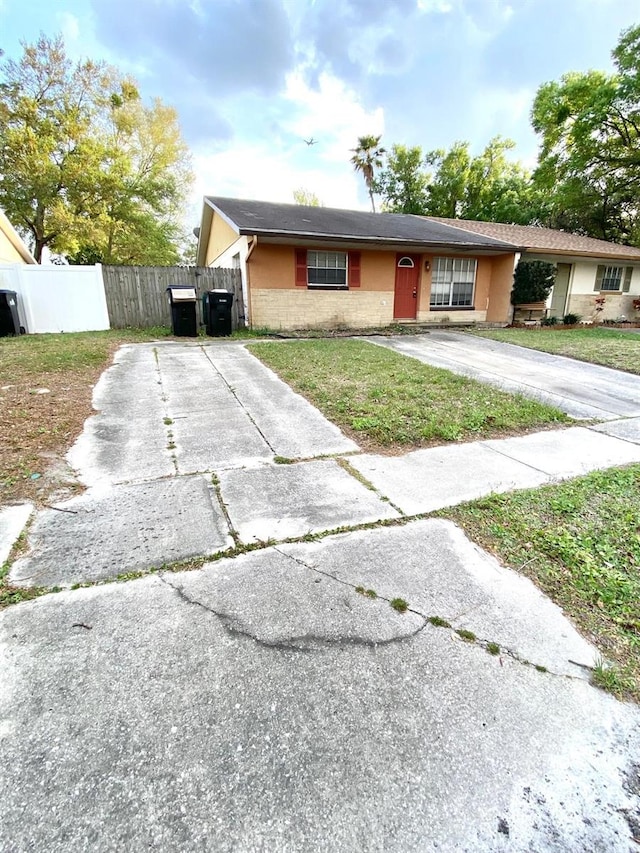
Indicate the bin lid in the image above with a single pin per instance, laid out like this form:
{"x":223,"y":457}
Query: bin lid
{"x":182,"y":293}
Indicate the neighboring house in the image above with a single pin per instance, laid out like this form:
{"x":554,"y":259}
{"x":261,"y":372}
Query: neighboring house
{"x":305,"y":267}
{"x":586,"y":268}
{"x":12,"y":248}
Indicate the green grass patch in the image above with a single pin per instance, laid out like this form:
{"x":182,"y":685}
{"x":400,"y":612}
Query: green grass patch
{"x":38,"y":354}
{"x":580,"y":542}
{"x":609,"y":347}
{"x":389,"y":399}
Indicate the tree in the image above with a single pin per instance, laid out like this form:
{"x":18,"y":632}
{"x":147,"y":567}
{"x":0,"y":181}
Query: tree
{"x":367,"y":158}
{"x":532,"y":282}
{"x":85,"y":168}
{"x":589,"y":163}
{"x":488,"y":187}
{"x":403,"y":182}
{"x":306,"y":197}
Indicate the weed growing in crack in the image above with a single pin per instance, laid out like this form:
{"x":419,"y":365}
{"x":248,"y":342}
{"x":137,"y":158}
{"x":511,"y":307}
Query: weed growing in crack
{"x":467,"y":636}
{"x":541,"y":668}
{"x":168,"y":421}
{"x":370,"y":593}
{"x":283,"y":460}
{"x":215,"y":480}
{"x":493,"y":648}
{"x":438,"y":622}
{"x":399,"y":604}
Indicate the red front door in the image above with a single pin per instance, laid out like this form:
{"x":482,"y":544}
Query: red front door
{"x":405,"y":303}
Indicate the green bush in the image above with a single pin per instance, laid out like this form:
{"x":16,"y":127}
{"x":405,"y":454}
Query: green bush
{"x":532,"y":282}
{"x":571,"y":319}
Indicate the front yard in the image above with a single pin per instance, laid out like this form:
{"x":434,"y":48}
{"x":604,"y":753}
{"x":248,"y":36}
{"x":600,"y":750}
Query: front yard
{"x":387,"y":401}
{"x":580,"y":543}
{"x":609,"y":347}
{"x":46,"y":383}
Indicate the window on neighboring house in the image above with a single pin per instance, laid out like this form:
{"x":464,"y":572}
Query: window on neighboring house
{"x":613,"y":278}
{"x":317,"y":268}
{"x":452,"y":282}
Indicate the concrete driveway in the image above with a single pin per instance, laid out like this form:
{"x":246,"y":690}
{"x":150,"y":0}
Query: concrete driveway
{"x":262,"y":701}
{"x":584,"y":391}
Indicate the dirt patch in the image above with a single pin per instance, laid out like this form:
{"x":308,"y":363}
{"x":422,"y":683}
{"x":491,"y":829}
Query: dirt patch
{"x":39,"y":420}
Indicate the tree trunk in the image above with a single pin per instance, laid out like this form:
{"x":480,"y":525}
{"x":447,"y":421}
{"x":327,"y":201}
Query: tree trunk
{"x":373,"y":205}
{"x":39,"y":246}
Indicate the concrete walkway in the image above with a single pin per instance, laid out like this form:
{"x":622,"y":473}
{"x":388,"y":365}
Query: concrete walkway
{"x":582,"y":390}
{"x":265,"y":701}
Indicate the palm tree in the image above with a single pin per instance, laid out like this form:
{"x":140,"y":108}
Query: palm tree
{"x":367,"y":157}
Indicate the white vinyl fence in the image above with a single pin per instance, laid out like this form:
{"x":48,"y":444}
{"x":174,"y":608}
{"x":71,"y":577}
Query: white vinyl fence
{"x":54,"y":298}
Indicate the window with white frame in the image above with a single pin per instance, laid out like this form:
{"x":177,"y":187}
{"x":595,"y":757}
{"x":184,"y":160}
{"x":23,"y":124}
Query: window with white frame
{"x":452,"y":282}
{"x":612,"y":278}
{"x":326,"y":269}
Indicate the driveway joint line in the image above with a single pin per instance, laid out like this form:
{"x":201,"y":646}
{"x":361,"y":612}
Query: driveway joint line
{"x":238,"y":400}
{"x":519,"y":461}
{"x":165,"y":399}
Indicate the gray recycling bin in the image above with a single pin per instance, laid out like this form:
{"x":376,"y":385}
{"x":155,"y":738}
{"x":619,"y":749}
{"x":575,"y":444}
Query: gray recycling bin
{"x":216,"y":312}
{"x":183,"y":301}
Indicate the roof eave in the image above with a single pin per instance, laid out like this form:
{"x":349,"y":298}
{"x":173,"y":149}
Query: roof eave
{"x":399,"y":242}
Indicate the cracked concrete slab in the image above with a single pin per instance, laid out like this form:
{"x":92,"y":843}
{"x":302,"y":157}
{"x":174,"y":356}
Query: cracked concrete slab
{"x":212,"y":740}
{"x":439,"y":572}
{"x":207,"y":441}
{"x":425,"y":480}
{"x":567,"y":453}
{"x":104,"y":533}
{"x":283,"y":501}
{"x":292,"y":426}
{"x":280,"y":603}
{"x":627,"y":429}
{"x":122,"y":448}
{"x":582,"y":390}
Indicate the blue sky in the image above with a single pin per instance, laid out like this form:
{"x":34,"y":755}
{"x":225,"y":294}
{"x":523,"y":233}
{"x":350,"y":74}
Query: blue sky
{"x":252,"y":78}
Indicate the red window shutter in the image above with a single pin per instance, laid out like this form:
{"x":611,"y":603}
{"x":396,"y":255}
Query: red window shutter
{"x":301,"y":267}
{"x":354,"y":269}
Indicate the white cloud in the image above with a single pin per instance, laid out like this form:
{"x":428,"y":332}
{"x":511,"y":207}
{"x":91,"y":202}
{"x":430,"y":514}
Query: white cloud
{"x":256,"y":167}
{"x":69,"y":26}
{"x":332,"y":113}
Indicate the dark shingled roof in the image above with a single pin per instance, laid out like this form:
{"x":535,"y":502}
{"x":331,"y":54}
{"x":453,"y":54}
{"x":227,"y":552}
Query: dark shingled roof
{"x":293,"y":220}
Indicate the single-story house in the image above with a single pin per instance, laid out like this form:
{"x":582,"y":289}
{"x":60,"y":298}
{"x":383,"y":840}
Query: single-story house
{"x":12,"y":248}
{"x":586,"y":268}
{"x":305,"y":267}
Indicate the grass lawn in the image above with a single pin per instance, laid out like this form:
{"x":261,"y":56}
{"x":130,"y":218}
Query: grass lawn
{"x":580,"y":542}
{"x":609,"y":347}
{"x":387,"y":400}
{"x":36,"y":429}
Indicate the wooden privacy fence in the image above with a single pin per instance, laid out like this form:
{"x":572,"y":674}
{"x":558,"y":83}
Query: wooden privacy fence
{"x":136,"y":296}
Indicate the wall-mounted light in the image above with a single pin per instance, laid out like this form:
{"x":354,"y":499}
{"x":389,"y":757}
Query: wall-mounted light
{"x":427,"y":265}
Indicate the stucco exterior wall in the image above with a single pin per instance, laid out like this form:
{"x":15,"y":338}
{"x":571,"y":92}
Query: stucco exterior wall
{"x":499,"y":307}
{"x":221,"y":236}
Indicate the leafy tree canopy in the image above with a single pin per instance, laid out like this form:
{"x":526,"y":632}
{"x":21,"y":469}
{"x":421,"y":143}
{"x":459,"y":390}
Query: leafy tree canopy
{"x":306,"y":197}
{"x":403,"y":181}
{"x":455,"y":184}
{"x":589,"y":164}
{"x":86,"y":168}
